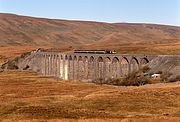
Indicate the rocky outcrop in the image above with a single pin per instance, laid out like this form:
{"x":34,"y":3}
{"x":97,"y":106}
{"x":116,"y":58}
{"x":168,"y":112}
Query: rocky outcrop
{"x":20,"y":62}
{"x":166,"y":64}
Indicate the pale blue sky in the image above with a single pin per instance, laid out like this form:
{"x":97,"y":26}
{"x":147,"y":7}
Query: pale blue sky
{"x":136,"y":11}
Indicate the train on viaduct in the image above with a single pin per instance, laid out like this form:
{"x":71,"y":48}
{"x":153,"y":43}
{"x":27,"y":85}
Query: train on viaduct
{"x":81,"y":66}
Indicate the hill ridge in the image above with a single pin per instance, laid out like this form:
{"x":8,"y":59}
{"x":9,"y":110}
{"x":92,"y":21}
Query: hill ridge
{"x":17,"y":30}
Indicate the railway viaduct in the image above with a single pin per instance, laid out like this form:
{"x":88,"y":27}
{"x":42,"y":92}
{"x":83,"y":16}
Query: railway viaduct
{"x":71,"y":66}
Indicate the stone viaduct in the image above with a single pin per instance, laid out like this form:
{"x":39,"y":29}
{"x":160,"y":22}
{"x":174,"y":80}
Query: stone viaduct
{"x":85,"y":67}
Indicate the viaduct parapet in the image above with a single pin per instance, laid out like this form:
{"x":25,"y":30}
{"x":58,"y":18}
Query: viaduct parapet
{"x":71,"y":66}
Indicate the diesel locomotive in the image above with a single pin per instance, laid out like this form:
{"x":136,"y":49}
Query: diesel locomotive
{"x":96,"y":51}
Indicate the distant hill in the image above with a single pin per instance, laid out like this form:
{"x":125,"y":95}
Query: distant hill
{"x":124,"y":37}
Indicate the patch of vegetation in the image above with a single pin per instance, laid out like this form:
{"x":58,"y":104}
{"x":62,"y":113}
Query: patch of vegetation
{"x":175,"y":79}
{"x":60,"y":111}
{"x":137,"y":78}
{"x":144,"y":69}
{"x":133,"y":79}
{"x":165,"y":77}
{"x":10,"y":65}
{"x":7,"y":110}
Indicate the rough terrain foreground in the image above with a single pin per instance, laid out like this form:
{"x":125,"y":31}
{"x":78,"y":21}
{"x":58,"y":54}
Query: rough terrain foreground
{"x":25,"y":96}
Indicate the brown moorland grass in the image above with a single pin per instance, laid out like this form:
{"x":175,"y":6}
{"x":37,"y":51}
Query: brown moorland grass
{"x":11,"y":52}
{"x":25,"y":96}
{"x":22,"y":32}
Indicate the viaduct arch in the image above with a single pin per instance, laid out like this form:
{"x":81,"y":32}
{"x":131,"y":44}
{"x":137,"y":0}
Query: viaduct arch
{"x":72,"y":66}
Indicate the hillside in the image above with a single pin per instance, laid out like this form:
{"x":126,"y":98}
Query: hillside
{"x":124,"y":37}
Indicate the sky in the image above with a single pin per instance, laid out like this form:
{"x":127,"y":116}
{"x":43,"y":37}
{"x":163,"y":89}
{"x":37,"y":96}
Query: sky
{"x":113,"y":11}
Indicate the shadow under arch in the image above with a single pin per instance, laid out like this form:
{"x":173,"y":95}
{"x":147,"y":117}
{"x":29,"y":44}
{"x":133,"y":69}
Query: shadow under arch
{"x":124,"y":63}
{"x":115,"y":67}
{"x":54,"y":64}
{"x":100,"y":68}
{"x":108,"y":67}
{"x":51,"y":68}
{"x":61,"y":74}
{"x":66,"y":57}
{"x":86,"y":68}
{"x":80,"y":71}
{"x":70,"y":68}
{"x":134,"y":65}
{"x":75,"y":67}
{"x":143,"y":62}
{"x":70,"y":57}
{"x":66,"y":67}
{"x":91,"y":68}
{"x":61,"y":57}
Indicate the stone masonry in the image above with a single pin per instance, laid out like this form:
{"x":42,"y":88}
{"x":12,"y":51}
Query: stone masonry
{"x":71,"y":66}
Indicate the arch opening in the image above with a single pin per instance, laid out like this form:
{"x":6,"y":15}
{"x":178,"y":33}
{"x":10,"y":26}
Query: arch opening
{"x":144,"y":61}
{"x":75,"y":68}
{"x":91,"y":59}
{"x":80,"y":58}
{"x":108,"y":67}
{"x":61,"y":57}
{"x":70,"y":57}
{"x":75,"y":58}
{"x":91,"y":68}
{"x":85,"y":68}
{"x":70,"y":68}
{"x":124,"y":67}
{"x":115,"y":67}
{"x":80,"y":68}
{"x":100,"y":68}
{"x":66,"y":68}
{"x":134,"y":65}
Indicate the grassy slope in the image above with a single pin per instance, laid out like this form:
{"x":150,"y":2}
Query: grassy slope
{"x":125,"y":37}
{"x":26,"y":96}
